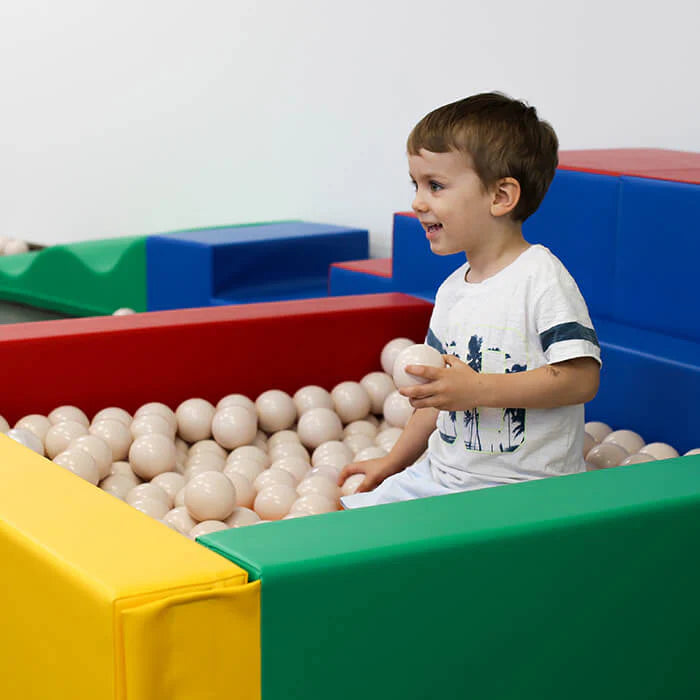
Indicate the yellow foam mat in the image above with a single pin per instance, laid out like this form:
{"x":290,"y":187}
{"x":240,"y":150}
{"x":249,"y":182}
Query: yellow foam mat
{"x":100,"y":601}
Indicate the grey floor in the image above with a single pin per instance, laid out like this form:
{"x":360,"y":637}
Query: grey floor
{"x":20,"y":313}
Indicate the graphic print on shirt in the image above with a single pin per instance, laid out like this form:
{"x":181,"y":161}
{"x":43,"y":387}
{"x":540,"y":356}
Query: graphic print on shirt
{"x":485,"y":429}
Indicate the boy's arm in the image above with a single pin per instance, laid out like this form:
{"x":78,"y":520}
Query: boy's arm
{"x":458,"y":387}
{"x":408,"y":448}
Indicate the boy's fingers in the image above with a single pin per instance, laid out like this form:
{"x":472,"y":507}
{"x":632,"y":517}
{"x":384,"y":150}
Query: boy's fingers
{"x":349,"y":470}
{"x":425,"y":371}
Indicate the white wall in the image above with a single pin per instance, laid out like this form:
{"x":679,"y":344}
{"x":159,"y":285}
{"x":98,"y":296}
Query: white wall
{"x":145,"y":116}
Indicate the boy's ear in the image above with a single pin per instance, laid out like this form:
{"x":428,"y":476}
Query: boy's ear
{"x":506,"y":195}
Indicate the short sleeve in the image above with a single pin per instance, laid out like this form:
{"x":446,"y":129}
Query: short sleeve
{"x":563,"y":323}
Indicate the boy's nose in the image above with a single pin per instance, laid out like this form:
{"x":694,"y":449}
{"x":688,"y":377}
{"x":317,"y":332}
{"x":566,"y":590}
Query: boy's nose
{"x":418,"y":204}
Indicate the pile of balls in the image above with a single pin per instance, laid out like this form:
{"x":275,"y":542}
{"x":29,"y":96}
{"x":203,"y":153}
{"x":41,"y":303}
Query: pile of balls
{"x":204,"y":467}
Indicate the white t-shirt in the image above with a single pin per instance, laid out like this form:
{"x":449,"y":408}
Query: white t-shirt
{"x":528,"y":315}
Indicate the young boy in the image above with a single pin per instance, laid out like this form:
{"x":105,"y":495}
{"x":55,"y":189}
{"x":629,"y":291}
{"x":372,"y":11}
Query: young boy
{"x":520,"y":350}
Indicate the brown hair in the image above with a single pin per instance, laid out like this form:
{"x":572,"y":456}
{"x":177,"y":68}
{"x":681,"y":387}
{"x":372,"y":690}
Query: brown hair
{"x":504,"y":137}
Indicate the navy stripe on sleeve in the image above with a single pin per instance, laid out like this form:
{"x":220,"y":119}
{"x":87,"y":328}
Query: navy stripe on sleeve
{"x":433,"y":341}
{"x":567,"y":331}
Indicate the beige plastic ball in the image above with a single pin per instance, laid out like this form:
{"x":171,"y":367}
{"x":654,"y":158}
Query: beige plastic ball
{"x":68,"y":413}
{"x":206,"y":528}
{"x":241,"y":517}
{"x":210,"y":496}
{"x":319,"y":484}
{"x":150,"y":455}
{"x":397,"y":410}
{"x":313,"y":504}
{"x":282,"y":436}
{"x":4,"y":425}
{"x":296,"y":466}
{"x":117,"y":485}
{"x":148,"y":490}
{"x":390,"y":352}
{"x":35,"y":422}
{"x":330,"y":447}
{"x":659,"y":450}
{"x":274,"y":502}
{"x":319,"y":425}
{"x":351,"y":401}
{"x":151,"y":423}
{"x":159,"y":409}
{"x":627,"y":439}
{"x":289,"y":449}
{"x":60,"y":435}
{"x":27,"y":438}
{"x":419,"y":354}
{"x":312,"y":396}
{"x":597,"y":430}
{"x":378,"y":385}
{"x":101,"y":452}
{"x":81,"y":463}
{"x":351,"y":484}
{"x":236,"y":400}
{"x":150,"y":506}
{"x":360,"y":427}
{"x":248,"y":452}
{"x":372,"y":452}
{"x":249,"y":468}
{"x":206,"y":446}
{"x":15,"y":246}
{"x":606,"y":455}
{"x":271,"y":477}
{"x":358,"y":441}
{"x":637,"y":458}
{"x":124,"y":469}
{"x":194,"y":417}
{"x":113,"y":413}
{"x":116,"y":434}
{"x":170,"y":482}
{"x":245,"y":491}
{"x":276,"y":410}
{"x":234,"y":426}
{"x":179,"y":519}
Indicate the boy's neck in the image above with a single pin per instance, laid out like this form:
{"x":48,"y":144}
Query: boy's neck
{"x":499,"y":250}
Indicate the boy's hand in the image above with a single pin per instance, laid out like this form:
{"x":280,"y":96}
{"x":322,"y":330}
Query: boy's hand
{"x":451,"y":388}
{"x":375,"y":471}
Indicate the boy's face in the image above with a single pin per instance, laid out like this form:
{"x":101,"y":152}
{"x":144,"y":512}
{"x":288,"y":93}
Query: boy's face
{"x":451,"y":202}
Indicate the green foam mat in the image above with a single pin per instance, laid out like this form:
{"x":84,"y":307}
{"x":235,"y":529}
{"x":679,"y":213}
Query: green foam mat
{"x":82,"y":279}
{"x":572,"y":587}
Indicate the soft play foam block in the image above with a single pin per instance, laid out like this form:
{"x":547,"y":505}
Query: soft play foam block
{"x":247,"y":264}
{"x":361,"y":277}
{"x":657,"y":163}
{"x":577,"y":221}
{"x":416,"y":268}
{"x":100,"y":601}
{"x":500,"y":593}
{"x":82,"y":279}
{"x":649,"y":383}
{"x":657,"y":257}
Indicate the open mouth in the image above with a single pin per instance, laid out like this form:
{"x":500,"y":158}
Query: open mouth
{"x":433,"y":230}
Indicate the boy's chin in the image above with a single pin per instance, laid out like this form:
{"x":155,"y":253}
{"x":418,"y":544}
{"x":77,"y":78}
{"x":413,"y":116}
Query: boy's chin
{"x":437,"y":249}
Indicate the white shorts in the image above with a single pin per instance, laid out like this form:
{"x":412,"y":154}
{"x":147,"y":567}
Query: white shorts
{"x":416,"y":481}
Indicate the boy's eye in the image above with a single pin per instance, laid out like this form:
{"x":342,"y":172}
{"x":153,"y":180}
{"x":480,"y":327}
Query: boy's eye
{"x":414,"y":185}
{"x":435,"y":186}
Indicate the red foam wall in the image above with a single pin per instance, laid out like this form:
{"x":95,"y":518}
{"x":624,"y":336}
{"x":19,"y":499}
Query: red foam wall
{"x":170,"y":356}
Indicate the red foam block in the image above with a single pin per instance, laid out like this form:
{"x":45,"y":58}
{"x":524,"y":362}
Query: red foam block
{"x":658,"y":163}
{"x":381,"y":267}
{"x":170,"y":356}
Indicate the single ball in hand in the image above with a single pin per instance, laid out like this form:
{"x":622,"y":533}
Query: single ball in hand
{"x":420,"y":354}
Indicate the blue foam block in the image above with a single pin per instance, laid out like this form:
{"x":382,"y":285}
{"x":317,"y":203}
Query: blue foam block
{"x":416,"y":268}
{"x":658,"y":257}
{"x":243,"y":264}
{"x":577,"y":221}
{"x":650,"y":383}
{"x":342,"y":282}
